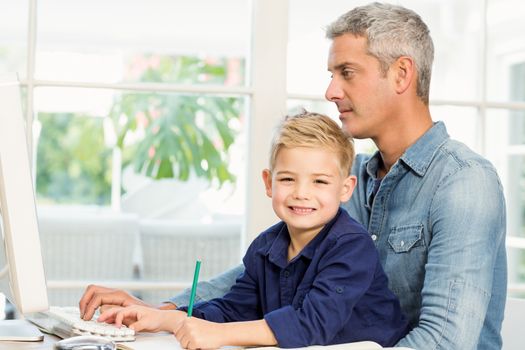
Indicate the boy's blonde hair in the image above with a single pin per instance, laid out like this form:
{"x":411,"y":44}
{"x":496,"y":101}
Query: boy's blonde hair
{"x":316,"y":131}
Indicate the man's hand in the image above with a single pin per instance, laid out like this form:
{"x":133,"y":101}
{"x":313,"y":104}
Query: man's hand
{"x":194,"y":333}
{"x":143,"y":318}
{"x":105,"y":298}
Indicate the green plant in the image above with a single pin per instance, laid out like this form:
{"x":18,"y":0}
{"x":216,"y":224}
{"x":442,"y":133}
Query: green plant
{"x":74,"y":165}
{"x":171,"y":135}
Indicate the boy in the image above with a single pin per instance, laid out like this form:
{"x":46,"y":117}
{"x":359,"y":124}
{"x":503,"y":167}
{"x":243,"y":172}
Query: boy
{"x":313,"y":278}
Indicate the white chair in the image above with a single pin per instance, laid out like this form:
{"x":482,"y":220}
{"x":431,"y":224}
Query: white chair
{"x":86,"y":246}
{"x":171,"y":247}
{"x":513,"y":324}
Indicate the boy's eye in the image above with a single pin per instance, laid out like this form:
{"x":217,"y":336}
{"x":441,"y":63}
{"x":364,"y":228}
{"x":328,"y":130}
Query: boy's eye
{"x":318,"y":181}
{"x":285,"y":179}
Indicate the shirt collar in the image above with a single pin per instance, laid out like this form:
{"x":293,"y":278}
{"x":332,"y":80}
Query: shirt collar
{"x":418,"y":156}
{"x":277,"y":251}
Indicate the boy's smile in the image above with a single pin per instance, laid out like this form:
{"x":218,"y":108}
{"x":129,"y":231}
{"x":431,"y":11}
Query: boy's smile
{"x":306,"y":186}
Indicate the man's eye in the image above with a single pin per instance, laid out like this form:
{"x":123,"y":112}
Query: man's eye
{"x":347,"y":73}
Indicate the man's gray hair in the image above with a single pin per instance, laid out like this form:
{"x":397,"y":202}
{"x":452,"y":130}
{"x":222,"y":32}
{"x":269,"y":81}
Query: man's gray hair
{"x":391,"y":31}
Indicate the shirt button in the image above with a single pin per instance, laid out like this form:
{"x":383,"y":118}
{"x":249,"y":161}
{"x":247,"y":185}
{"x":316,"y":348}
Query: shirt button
{"x":374,"y":237}
{"x":339,"y":290}
{"x":286,"y":273}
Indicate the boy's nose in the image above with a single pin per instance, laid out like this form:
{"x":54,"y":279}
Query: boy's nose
{"x":301,"y":191}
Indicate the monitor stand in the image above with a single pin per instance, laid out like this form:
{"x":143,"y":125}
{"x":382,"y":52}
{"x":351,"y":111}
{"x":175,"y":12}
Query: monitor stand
{"x":19,"y":330}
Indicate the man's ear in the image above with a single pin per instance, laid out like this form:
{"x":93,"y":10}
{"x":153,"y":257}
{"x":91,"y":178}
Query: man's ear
{"x":267,"y":179}
{"x":348,"y":188}
{"x":404,"y":71}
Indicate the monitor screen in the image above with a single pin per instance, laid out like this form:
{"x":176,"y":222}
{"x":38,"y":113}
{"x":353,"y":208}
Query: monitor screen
{"x":23,"y":266}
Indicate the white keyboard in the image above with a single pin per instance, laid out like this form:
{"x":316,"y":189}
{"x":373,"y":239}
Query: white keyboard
{"x":66,"y":322}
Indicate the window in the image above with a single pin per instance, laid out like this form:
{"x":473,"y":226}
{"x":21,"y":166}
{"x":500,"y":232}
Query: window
{"x":139,"y":114}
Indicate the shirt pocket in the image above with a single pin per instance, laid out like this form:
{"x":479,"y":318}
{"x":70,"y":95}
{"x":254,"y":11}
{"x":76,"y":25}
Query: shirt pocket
{"x":404,"y":238}
{"x":406,"y":251}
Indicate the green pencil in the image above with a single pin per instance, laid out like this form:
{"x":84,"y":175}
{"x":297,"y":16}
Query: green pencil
{"x":194,"y":287}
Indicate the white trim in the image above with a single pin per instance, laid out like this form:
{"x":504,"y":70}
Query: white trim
{"x":516,"y":288}
{"x":31,"y":49}
{"x":516,"y":150}
{"x":128,"y":285}
{"x":148,"y":87}
{"x":269,"y":49}
{"x":515,"y":242}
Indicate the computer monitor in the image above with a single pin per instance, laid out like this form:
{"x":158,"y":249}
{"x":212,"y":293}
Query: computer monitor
{"x":21,"y":241}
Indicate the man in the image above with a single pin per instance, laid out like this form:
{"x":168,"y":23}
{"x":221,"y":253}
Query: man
{"x":434,"y":208}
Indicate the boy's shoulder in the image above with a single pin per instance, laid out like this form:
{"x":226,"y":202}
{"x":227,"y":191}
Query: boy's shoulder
{"x":346,"y":225}
{"x":268,"y":236}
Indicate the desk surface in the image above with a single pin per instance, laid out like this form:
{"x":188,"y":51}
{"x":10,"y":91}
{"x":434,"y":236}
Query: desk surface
{"x":47,"y":344}
{"x":50,"y":340}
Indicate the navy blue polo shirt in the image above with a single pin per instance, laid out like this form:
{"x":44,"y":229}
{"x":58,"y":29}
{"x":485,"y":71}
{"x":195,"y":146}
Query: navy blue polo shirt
{"x":334,"y":291}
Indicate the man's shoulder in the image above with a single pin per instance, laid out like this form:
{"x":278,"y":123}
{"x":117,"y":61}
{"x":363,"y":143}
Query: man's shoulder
{"x":458,"y":154}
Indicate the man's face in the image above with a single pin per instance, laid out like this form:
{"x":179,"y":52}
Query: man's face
{"x":362,"y":93}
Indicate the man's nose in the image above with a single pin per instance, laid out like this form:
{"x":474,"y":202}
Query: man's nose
{"x":334,"y":92}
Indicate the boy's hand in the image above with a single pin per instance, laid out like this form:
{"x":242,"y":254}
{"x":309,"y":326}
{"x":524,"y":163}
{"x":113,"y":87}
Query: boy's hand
{"x":195,"y":333}
{"x":143,"y":318}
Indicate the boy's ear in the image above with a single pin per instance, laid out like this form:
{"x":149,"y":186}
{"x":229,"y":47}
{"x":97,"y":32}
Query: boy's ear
{"x":267,"y":179}
{"x":348,"y":188}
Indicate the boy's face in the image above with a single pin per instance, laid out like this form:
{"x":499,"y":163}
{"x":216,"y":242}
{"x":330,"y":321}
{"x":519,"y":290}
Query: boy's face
{"x":306,"y":187}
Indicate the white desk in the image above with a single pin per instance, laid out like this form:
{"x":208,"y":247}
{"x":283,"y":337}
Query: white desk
{"x":50,"y":340}
{"x":47,"y":344}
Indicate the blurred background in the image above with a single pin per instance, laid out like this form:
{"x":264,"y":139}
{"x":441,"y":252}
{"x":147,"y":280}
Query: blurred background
{"x":149,"y":122}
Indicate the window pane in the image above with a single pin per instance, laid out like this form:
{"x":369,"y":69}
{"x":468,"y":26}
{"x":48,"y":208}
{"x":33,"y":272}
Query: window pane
{"x":307,"y":46}
{"x":13,"y":37}
{"x":461,"y":122}
{"x":195,"y":142}
{"x":509,"y":159}
{"x":154,"y":41}
{"x":455,"y":27}
{"x":516,"y":263}
{"x":73,"y":162}
{"x":516,"y":196}
{"x":506,"y":50}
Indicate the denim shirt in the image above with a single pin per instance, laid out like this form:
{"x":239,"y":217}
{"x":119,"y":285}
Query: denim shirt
{"x":334,"y":291}
{"x":438,"y":222}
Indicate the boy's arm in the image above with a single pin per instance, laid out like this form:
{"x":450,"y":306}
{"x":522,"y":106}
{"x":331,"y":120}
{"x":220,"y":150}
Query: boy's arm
{"x":241,"y":303}
{"x":195,"y":333}
{"x":207,"y":290}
